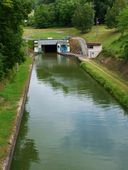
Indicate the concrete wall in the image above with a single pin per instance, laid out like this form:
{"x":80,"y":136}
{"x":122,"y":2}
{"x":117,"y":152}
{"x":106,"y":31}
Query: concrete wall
{"x":94,"y":52}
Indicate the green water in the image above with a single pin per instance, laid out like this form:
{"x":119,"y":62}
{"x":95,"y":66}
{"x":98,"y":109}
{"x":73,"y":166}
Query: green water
{"x":70,"y":122}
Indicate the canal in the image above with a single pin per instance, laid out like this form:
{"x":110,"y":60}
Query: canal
{"x":70,"y":122}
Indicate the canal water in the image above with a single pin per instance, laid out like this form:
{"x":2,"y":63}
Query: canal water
{"x":70,"y":122}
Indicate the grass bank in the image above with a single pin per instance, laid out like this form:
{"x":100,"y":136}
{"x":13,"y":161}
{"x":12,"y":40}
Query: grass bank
{"x":111,"y":82}
{"x":57,"y":33}
{"x":10,"y":96}
{"x":97,"y":34}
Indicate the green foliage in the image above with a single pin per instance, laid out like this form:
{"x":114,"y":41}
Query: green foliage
{"x":30,"y":44}
{"x":113,"y":13}
{"x":30,"y":21}
{"x":43,"y":16}
{"x":100,"y":8}
{"x":10,"y":94}
{"x":124,"y":45}
{"x":114,"y":85}
{"x":123,"y":28}
{"x":123,"y":20}
{"x":125,"y":52}
{"x":54,"y":14}
{"x":110,"y":19}
{"x":12,"y":15}
{"x":60,"y":12}
{"x":64,"y":12}
{"x":117,"y":17}
{"x":83,"y":17}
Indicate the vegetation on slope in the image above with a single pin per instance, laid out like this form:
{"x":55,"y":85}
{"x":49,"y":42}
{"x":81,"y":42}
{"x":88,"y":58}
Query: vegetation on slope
{"x":10,"y":95}
{"x":117,"y":87}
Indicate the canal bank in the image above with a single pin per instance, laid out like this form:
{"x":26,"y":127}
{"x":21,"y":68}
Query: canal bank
{"x":13,"y":97}
{"x":70,"y":121}
{"x":110,"y":81}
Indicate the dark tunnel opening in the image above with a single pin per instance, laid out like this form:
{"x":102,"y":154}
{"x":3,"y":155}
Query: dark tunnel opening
{"x":49,"y":48}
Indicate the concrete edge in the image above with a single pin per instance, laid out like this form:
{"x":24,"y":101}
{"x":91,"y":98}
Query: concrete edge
{"x":19,"y":115}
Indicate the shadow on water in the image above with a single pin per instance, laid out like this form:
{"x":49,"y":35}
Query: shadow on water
{"x":25,"y":151}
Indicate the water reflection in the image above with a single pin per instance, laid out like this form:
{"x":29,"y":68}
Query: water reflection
{"x":72,"y":123}
{"x":70,"y":78}
{"x":25,"y":152}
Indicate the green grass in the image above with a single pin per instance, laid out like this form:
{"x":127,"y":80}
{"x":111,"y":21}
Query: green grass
{"x":44,"y":33}
{"x":101,"y":34}
{"x":117,"y":87}
{"x":9,"y":98}
{"x":97,"y":34}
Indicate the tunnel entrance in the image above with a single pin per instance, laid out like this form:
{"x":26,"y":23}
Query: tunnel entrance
{"x":49,"y":48}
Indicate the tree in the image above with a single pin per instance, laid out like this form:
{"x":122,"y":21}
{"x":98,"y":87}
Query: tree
{"x":58,"y":13}
{"x":113,"y":12}
{"x":83,"y":18}
{"x":123,"y":20}
{"x":64,"y":10}
{"x":100,"y":8}
{"x":12,"y":15}
{"x":123,"y":28}
{"x":42,"y":17}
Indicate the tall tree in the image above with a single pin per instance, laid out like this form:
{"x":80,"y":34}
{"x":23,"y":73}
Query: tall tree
{"x":100,"y":8}
{"x":123,"y":20}
{"x":12,"y":15}
{"x":83,"y":18}
{"x":64,"y":11}
{"x":113,"y":12}
{"x":44,"y":16}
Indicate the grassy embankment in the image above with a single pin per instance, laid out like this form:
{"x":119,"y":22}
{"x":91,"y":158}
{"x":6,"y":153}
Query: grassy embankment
{"x":10,"y":95}
{"x":111,"y":82}
{"x":97,"y":34}
{"x":44,"y":33}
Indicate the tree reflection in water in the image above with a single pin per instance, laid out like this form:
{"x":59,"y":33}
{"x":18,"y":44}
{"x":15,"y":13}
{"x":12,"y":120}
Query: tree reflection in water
{"x":25,"y":151}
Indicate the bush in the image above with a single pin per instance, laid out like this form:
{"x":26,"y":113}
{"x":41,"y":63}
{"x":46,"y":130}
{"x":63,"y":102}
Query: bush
{"x":83,"y":18}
